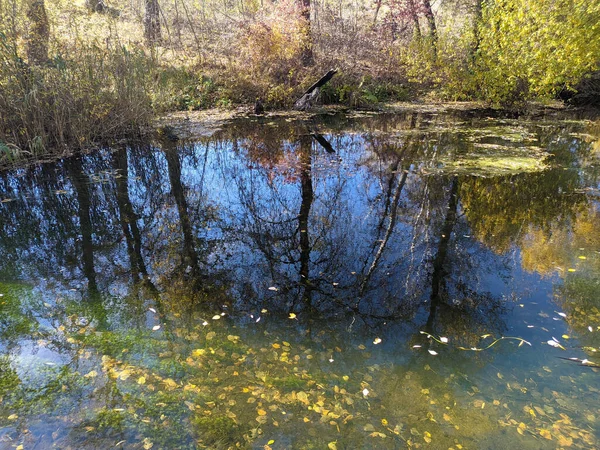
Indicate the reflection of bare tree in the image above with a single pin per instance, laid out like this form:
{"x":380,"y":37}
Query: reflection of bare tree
{"x":438,"y":278}
{"x":190,"y":257}
{"x":303,"y":216}
{"x":456,"y":307}
{"x":127,"y":216}
{"x":81,"y":186}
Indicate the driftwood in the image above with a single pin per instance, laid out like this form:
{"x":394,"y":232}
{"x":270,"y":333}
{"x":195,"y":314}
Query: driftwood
{"x":307,"y":99}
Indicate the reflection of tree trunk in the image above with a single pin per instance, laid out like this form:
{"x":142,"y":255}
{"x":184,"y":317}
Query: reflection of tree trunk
{"x":390,"y":227}
{"x":439,"y":273}
{"x":39,"y":32}
{"x":81,"y":187}
{"x":189,"y":250}
{"x":127,"y":216}
{"x":307,"y":199}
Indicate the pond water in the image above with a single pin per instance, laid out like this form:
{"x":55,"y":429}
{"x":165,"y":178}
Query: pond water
{"x":412,"y":280}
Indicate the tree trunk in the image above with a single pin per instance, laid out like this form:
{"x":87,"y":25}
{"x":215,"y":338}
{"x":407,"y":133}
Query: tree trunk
{"x":39,"y":33}
{"x":414,"y":15}
{"x":477,"y":18}
{"x":307,"y":51}
{"x":95,"y":5}
{"x":152,"y":22}
{"x":431,"y":22}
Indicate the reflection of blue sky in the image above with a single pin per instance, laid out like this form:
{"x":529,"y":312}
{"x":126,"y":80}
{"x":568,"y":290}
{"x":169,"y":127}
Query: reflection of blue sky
{"x":241,"y":212}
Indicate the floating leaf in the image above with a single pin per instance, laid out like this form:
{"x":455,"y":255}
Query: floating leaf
{"x":377,"y":341}
{"x":554,"y":343}
{"x":302,"y":397}
{"x":427,"y":437}
{"x":444,"y":340}
{"x":273,"y":288}
{"x":156,"y":328}
{"x":546,"y":434}
{"x":433,"y":352}
{"x":365,"y":392}
{"x":292,"y":316}
{"x":216,"y":317}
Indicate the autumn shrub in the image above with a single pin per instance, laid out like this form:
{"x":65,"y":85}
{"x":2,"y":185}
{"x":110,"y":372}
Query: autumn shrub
{"x":531,"y":50}
{"x":268,"y":56}
{"x":80,"y":97}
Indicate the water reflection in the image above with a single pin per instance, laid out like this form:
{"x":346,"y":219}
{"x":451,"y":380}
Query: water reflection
{"x":360,"y":228}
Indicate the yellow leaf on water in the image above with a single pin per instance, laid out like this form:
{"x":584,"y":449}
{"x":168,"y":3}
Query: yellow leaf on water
{"x":12,"y":417}
{"x":292,"y":316}
{"x":378,"y":434}
{"x":332,"y":445}
{"x":91,"y":374}
{"x":141,"y":380}
{"x":546,"y":434}
{"x":427,"y":437}
{"x":384,"y":422}
{"x":564,"y":441}
{"x":302,"y":397}
{"x":170,"y":383}
{"x":261,"y":412}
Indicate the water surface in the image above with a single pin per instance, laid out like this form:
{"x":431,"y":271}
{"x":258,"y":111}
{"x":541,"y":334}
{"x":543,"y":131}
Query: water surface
{"x":381,"y":281}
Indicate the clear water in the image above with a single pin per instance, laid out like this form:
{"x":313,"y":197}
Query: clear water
{"x":422,"y":283}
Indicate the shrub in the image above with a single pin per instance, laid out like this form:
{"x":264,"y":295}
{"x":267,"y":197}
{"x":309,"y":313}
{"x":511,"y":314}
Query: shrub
{"x":89,"y":96}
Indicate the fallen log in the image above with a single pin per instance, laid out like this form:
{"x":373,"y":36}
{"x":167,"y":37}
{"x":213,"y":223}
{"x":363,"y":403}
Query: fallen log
{"x":307,"y":99}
